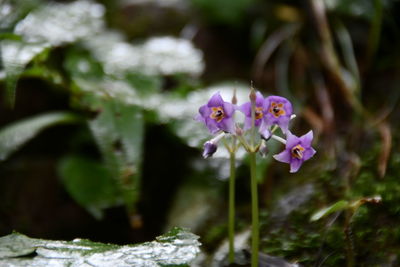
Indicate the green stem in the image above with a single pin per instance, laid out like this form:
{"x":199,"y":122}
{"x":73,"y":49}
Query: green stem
{"x":254,"y":211}
{"x":231,"y":223}
{"x":253,"y":128}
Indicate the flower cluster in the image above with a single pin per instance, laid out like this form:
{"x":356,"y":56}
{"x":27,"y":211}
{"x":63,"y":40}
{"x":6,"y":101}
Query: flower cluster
{"x":218,"y":116}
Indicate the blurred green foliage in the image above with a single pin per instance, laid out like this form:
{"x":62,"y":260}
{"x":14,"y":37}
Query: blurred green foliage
{"x":225,"y":11}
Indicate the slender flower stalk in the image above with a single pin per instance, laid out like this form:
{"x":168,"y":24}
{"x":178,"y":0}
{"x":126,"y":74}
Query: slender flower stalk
{"x":231,"y":221}
{"x":253,"y":178}
{"x":254,"y":211}
{"x":253,"y":99}
{"x":232,"y":177}
{"x":278,"y":138}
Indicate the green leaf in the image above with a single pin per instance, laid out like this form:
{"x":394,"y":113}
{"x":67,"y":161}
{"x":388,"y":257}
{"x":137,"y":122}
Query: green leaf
{"x":177,"y":247}
{"x":59,"y":23}
{"x":80,"y":64}
{"x":338,"y":206}
{"x":89,"y":183}
{"x":15,"y":55}
{"x":93,"y":93}
{"x":13,"y":136}
{"x":14,"y":10}
{"x":118,"y":131}
{"x":156,"y":56}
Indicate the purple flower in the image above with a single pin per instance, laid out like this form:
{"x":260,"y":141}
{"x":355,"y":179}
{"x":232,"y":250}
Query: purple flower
{"x":259,"y":112}
{"x":298,"y":150}
{"x":209,"y":149}
{"x":277,"y":111}
{"x":217,"y":115}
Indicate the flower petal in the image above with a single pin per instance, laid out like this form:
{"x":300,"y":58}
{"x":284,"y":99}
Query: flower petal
{"x":199,"y":118}
{"x":291,"y":140}
{"x":306,"y":139}
{"x":295,"y":165}
{"x":227,"y":125}
{"x":283,"y":123}
{"x":204,"y":111}
{"x":247,"y":123}
{"x":284,"y":156}
{"x":246,"y":109}
{"x":229,"y":109}
{"x":259,"y":99}
{"x":264,"y":130}
{"x":309,"y":153}
{"x":215,"y":101}
{"x":211,"y":125}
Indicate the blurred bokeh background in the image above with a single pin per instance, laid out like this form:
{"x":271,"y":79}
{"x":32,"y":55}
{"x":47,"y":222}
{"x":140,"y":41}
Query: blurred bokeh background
{"x":98,"y":141}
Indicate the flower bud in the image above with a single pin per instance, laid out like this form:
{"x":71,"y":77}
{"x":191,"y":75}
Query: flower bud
{"x":209,"y":149}
{"x":253,"y":95}
{"x":238,"y":131}
{"x":265,"y":134}
{"x":234,"y":98}
{"x":263,"y":149}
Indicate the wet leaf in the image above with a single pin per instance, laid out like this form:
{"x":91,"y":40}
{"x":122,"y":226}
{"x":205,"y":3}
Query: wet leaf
{"x":80,"y":175}
{"x":80,"y":64}
{"x":58,"y":23}
{"x":15,"y":55}
{"x":136,"y":90}
{"x":156,"y":56}
{"x":12,"y":10}
{"x":177,"y":247}
{"x":338,"y":206}
{"x":15,"y":245}
{"x":118,"y":131}
{"x":13,"y":136}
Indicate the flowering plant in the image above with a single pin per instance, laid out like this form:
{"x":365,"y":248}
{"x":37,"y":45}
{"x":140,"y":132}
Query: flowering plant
{"x":218,"y":116}
{"x":263,"y":116}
